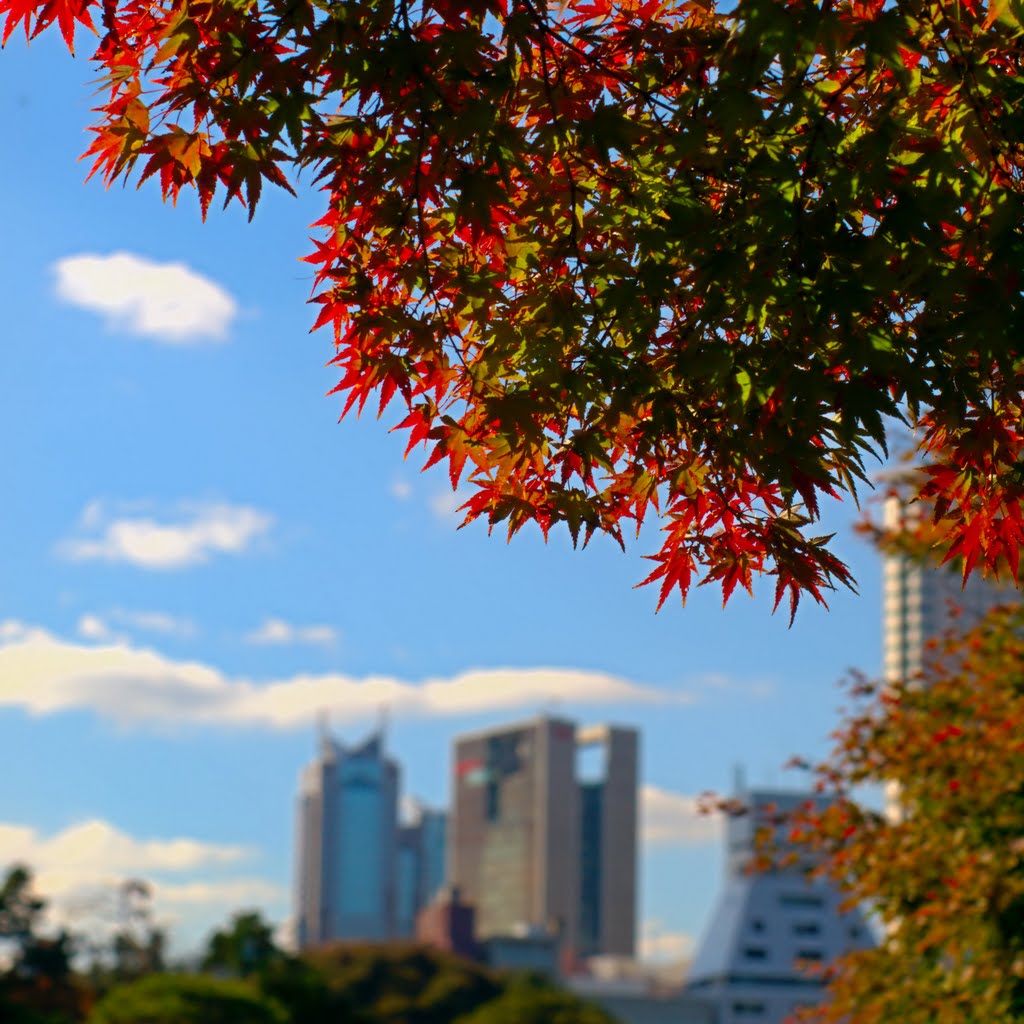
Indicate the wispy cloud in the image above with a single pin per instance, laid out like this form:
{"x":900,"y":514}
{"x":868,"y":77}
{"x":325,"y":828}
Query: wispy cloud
{"x":80,"y":869}
{"x":99,"y":626}
{"x":674,"y":819}
{"x":401,"y":489}
{"x":445,"y":504}
{"x":166,"y":301}
{"x":43,"y":674}
{"x":718,"y":683}
{"x":185,"y":535}
{"x":153,"y":622}
{"x":92,"y":627}
{"x":223,"y":892}
{"x":95,"y":846}
{"x":659,"y":944}
{"x":279,"y":632}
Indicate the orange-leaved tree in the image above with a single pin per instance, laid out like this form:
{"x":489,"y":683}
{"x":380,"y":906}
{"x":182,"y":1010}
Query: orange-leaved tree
{"x":944,"y":869}
{"x":621,"y":260}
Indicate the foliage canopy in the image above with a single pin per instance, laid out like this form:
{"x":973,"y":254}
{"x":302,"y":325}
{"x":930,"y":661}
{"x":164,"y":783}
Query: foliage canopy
{"x":945,"y":876}
{"x":244,"y":946}
{"x":185,"y":999}
{"x":528,"y":1001}
{"x":402,"y":983}
{"x":620,"y":260}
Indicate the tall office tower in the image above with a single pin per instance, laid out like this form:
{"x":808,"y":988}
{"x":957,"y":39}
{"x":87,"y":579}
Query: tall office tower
{"x":770,"y":927}
{"x":608,"y":843}
{"x":421,"y":866}
{"x":519,"y":835}
{"x":918,"y":602}
{"x":347,"y":844}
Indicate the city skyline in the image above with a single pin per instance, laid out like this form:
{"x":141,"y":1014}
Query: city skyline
{"x":195,"y":559}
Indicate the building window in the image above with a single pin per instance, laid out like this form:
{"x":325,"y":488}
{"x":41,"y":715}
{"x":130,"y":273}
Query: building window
{"x":757,"y":925}
{"x":806,"y":928}
{"x":755,"y":953}
{"x":809,"y":954}
{"x":492,"y":800}
{"x":747,"y":1009}
{"x":801,"y":899}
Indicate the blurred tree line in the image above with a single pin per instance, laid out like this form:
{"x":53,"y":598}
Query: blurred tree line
{"x":245,"y":978}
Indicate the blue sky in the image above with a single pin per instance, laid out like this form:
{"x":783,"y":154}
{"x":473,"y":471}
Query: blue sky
{"x":195,"y":556}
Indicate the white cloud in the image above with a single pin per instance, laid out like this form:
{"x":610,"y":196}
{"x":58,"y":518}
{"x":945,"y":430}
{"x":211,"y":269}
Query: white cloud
{"x":154,"y":622}
{"x":184,"y":536}
{"x":165,"y":301}
{"x":445,"y":504}
{"x":77,"y":864}
{"x":80,"y":871}
{"x":92,"y":627}
{"x":673,"y":819}
{"x":233,"y":893}
{"x":286,"y":935}
{"x":95,"y":845}
{"x":410,"y":809}
{"x":717,"y":682}
{"x":659,"y":944}
{"x":43,"y":674}
{"x":277,"y":631}
{"x":401,"y":489}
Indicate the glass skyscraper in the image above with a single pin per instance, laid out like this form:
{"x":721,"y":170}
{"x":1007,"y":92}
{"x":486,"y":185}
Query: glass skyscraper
{"x":347,"y":855}
{"x":421,"y":865}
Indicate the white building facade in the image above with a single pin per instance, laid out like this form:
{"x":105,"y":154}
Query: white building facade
{"x":771,"y":930}
{"x":921,"y":602}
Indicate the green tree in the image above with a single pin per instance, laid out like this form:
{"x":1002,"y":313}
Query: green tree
{"x":20,"y":913}
{"x":246,"y":946}
{"x":304,"y":990}
{"x":946,"y":875}
{"x":185,"y":999}
{"x":137,"y":945}
{"x":402,"y":984}
{"x":529,"y":1001}
{"x":38,"y":987}
{"x":621,"y":261}
{"x":20,"y":908}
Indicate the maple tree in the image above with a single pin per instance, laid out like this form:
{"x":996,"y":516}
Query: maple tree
{"x":945,"y":873}
{"x":622,"y":260}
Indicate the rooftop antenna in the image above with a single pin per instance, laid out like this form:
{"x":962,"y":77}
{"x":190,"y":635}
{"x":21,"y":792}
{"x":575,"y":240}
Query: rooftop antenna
{"x":323,"y":728}
{"x":739,"y":780}
{"x":383,"y":721}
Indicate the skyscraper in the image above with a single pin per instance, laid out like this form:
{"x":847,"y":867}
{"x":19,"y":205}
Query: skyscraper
{"x":348,"y":844}
{"x":608,"y":843}
{"x":421,"y":866}
{"x":921,"y":602}
{"x":532,"y":847}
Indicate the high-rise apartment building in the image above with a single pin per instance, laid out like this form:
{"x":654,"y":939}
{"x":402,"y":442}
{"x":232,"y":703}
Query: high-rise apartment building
{"x":921,"y":602}
{"x":347,"y":857}
{"x":771,"y":930}
{"x":532,"y":847}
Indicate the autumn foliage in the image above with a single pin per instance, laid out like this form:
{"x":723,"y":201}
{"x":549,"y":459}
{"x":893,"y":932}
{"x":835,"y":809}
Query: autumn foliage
{"x":945,"y":875}
{"x":634,"y":260}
